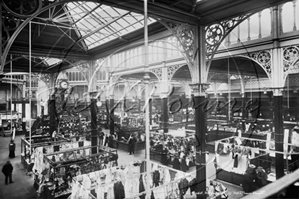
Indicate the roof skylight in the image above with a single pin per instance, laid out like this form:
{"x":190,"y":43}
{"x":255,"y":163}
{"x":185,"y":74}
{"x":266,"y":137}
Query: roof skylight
{"x":98,"y":24}
{"x":51,"y":61}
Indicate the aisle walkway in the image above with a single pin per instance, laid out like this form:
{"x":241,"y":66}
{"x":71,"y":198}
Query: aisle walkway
{"x":22,"y":188}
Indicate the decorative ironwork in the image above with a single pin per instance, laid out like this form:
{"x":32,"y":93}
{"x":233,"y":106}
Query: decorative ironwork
{"x":22,"y":8}
{"x":184,"y":39}
{"x":263,"y":58}
{"x":157,"y":72}
{"x":10,"y":23}
{"x":172,"y":70}
{"x":198,"y":88}
{"x":5,"y":37}
{"x":290,"y":55}
{"x":216,"y":33}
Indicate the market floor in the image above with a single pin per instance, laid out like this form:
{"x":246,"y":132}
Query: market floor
{"x":22,"y":188}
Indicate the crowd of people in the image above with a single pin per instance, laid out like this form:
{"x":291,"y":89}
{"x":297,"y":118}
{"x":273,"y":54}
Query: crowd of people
{"x":180,"y":152}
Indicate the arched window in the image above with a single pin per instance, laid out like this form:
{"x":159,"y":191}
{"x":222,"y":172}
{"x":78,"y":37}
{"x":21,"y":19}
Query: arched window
{"x":135,"y":56}
{"x":155,"y":51}
{"x":288,"y":20}
{"x":244,"y":30}
{"x":254,"y":26}
{"x":266,"y":23}
{"x":76,"y":76}
{"x":128,"y":58}
{"x":150,"y":52}
{"x":160,"y":50}
{"x":297,"y":14}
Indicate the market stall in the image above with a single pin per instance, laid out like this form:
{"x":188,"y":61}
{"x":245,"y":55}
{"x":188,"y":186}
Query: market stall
{"x":172,"y":184}
{"x":48,"y":144}
{"x":123,"y":134}
{"x":126,"y":181}
{"x":61,"y":167}
{"x":240,"y":155}
{"x":175,"y":149}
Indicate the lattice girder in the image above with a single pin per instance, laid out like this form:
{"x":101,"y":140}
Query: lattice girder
{"x":290,"y":60}
{"x":172,"y":70}
{"x":216,"y":33}
{"x":157,"y":72}
{"x":184,"y":40}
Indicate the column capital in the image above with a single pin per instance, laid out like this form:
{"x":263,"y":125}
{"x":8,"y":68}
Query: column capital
{"x":277,"y":91}
{"x":199,"y":89}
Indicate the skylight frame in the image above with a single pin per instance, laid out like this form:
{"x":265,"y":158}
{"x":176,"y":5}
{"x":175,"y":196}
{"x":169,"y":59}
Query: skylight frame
{"x":100,"y":17}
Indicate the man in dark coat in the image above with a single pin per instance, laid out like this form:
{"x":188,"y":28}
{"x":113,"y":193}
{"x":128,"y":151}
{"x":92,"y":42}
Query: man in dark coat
{"x":131,"y":141}
{"x":7,"y":171}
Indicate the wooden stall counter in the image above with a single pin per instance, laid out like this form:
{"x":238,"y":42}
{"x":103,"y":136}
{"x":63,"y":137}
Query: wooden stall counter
{"x":125,"y":146}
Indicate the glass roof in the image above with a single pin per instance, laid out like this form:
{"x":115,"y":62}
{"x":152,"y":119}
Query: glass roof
{"x":98,"y":24}
{"x":51,"y":61}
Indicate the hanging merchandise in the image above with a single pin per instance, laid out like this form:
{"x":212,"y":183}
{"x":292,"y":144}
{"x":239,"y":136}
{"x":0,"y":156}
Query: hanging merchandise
{"x":65,"y":165}
{"x":115,"y":182}
{"x":252,"y":152}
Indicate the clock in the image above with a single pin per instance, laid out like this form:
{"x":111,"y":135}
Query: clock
{"x":64,"y":84}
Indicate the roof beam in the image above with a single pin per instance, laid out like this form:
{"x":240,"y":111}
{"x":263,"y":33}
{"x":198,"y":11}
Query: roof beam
{"x":155,"y":11}
{"x":100,"y":28}
{"x":39,"y":52}
{"x":236,"y":8}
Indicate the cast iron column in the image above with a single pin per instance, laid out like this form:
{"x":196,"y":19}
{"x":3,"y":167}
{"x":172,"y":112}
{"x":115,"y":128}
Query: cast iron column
{"x":186,"y":101}
{"x":198,"y":90}
{"x":277,"y":83}
{"x":94,"y":137}
{"x":278,"y":124}
{"x":243,"y":111}
{"x":200,"y":147}
{"x":23,"y":116}
{"x":139,"y":104}
{"x":111,"y":116}
{"x":52,"y":111}
{"x":150,"y":112}
{"x":107,"y":113}
{"x":165,"y":117}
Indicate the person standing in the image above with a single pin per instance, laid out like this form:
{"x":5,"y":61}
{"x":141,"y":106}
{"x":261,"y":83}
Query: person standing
{"x":101,"y":137}
{"x":131,"y":142}
{"x":7,"y":170}
{"x":12,"y":147}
